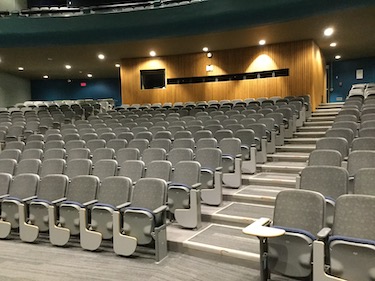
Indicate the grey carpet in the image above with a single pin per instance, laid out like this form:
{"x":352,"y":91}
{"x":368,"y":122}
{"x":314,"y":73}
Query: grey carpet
{"x":261,"y":190}
{"x":247,"y":210}
{"x":227,"y":237}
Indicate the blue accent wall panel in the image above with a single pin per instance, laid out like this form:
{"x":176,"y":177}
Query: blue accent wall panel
{"x":73,"y":90}
{"x":343,"y":76}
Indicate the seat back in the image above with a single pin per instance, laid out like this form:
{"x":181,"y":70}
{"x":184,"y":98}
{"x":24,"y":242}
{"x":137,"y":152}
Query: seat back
{"x":149,"y":193}
{"x":209,"y":158}
{"x":360,"y":159}
{"x":364,"y":181}
{"x":160,"y":169}
{"x":103,"y":153}
{"x":187,"y":173}
{"x":32,"y":153}
{"x":105,"y":168}
{"x":78,"y":167}
{"x":334,"y":143}
{"x":125,"y":154}
{"x":325,"y":157}
{"x":72,"y":144}
{"x":230,"y":146}
{"x":115,"y":190}
{"x":345,"y":133}
{"x":82,"y":188}
{"x":8,"y":166}
{"x":206,"y":143}
{"x":180,"y":154}
{"x":5,"y":180}
{"x":141,"y":144}
{"x":94,"y":144}
{"x":116,"y":144}
{"x":54,"y":153}
{"x":24,"y":186}
{"x":54,"y":144}
{"x":133,"y":169}
{"x":78,"y":153}
{"x":330,"y":181}
{"x":152,"y":154}
{"x":52,"y":187}
{"x":52,"y":166}
{"x":34,"y":145}
{"x":31,"y":166}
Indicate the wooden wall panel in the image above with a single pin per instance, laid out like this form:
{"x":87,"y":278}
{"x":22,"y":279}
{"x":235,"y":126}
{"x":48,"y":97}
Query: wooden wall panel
{"x":302,"y":58}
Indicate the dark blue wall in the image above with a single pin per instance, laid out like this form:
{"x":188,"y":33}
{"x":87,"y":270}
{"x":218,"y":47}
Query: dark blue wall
{"x":62,"y":89}
{"x":342,"y":74}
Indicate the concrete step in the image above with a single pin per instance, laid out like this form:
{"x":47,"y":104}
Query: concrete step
{"x":282,"y":167}
{"x":324,"y":113}
{"x":295,"y":148}
{"x":326,"y":110}
{"x":288,"y":156}
{"x":321,"y":118}
{"x":273,"y":179}
{"x":317,"y":123}
{"x":301,"y":141}
{"x":306,"y":134}
{"x":307,"y":128}
{"x":236,"y":213}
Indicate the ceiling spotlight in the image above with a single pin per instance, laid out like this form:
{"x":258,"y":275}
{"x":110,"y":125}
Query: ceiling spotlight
{"x":333,"y":44}
{"x":118,"y":65}
{"x":152,"y":53}
{"x":21,"y":68}
{"x":328,"y":31}
{"x":45,"y":76}
{"x":205,"y":49}
{"x":89,"y":75}
{"x":338,"y":57}
{"x":101,"y":56}
{"x":262,"y":42}
{"x":67,"y":66}
{"x":209,"y":55}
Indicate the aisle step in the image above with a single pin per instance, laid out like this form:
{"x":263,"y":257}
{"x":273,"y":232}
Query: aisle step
{"x":284,"y":167}
{"x":312,"y":123}
{"x":301,"y":141}
{"x":321,"y":118}
{"x":273,"y":179}
{"x":288,"y":156}
{"x":306,"y":134}
{"x":313,"y":128}
{"x":295,"y":148}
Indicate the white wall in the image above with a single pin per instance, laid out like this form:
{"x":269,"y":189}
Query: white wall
{"x":13,"y":5}
{"x":13,"y":90}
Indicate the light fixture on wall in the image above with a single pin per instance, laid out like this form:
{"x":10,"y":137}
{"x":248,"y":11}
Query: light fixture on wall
{"x":209,"y":55}
{"x":209,"y":68}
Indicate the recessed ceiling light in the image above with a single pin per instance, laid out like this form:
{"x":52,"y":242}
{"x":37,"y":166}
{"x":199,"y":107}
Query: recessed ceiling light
{"x":20,"y":68}
{"x":89,"y":75}
{"x":205,"y":49}
{"x":338,"y":57}
{"x":50,"y":59}
{"x":67,"y":66}
{"x":262,"y":42}
{"x":118,"y":65}
{"x":333,"y":44}
{"x":45,"y":76}
{"x":101,"y":56}
{"x":152,"y":53}
{"x":328,"y":31}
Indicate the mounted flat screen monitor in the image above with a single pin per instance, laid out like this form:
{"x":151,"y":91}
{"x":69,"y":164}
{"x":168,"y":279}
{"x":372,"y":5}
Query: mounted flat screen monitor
{"x":153,"y":79}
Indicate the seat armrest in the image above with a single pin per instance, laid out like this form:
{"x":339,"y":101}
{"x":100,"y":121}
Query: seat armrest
{"x":259,"y":228}
{"x":218,"y":169}
{"x":4,"y":196}
{"x":323,"y":233}
{"x":123,"y":205}
{"x":90,"y":202}
{"x":351,"y":178}
{"x":29,"y":198}
{"x":57,"y":201}
{"x":160,"y":209}
{"x":238,"y":155}
{"x":196,"y":185}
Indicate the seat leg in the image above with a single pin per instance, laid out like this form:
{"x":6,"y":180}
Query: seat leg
{"x":214,"y":196}
{"x":263,"y":252}
{"x":160,"y":237}
{"x":234,"y":180}
{"x":58,"y":236}
{"x":190,"y":218}
{"x":89,"y":240}
{"x":123,"y":245}
{"x":318,"y":264}
{"x":28,"y":232}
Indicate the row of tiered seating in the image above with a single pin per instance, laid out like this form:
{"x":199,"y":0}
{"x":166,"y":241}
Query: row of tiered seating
{"x":332,"y":209}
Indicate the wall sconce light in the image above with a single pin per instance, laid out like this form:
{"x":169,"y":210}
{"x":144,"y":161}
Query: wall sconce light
{"x":209,"y":68}
{"x":209,"y":55}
